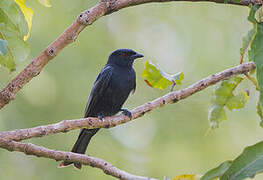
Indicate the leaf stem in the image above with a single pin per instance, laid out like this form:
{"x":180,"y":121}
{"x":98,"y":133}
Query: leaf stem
{"x":246,"y":74}
{"x":172,"y":86}
{"x":252,"y":80}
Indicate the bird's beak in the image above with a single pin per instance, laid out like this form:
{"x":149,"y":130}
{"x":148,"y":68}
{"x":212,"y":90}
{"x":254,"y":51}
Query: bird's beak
{"x":137,"y":55}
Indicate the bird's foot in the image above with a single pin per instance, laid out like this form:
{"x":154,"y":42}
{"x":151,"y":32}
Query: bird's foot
{"x":101,"y":118}
{"x":126,"y":112}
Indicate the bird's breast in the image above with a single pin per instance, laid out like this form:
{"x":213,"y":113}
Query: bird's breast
{"x":123,"y":80}
{"x":120,"y":86}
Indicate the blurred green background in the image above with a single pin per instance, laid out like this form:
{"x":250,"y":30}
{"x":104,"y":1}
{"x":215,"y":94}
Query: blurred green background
{"x":196,"y":38}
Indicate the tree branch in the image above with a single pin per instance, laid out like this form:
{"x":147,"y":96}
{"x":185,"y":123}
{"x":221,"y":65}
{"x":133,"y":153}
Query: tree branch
{"x":86,"y":18}
{"x":104,"y":7}
{"x":7,"y":138}
{"x":31,"y":149}
{"x":108,"y":122}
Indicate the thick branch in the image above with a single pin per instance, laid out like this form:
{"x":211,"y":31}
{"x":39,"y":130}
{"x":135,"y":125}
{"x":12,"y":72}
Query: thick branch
{"x":104,"y":7}
{"x":31,"y":149}
{"x":108,"y":122}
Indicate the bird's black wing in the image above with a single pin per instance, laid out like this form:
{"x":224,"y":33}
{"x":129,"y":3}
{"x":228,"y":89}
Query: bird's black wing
{"x":134,"y":86}
{"x":99,"y":87}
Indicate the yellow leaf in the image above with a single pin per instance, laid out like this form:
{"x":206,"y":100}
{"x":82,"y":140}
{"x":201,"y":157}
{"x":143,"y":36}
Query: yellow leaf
{"x":186,"y":177}
{"x":155,"y":77}
{"x":28,"y":13}
{"x":45,"y":3}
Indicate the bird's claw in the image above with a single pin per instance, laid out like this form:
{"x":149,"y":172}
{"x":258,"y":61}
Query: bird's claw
{"x":126,"y":112}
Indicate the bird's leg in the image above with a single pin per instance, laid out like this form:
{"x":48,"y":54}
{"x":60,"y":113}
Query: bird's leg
{"x":126,"y":112}
{"x":100,"y":117}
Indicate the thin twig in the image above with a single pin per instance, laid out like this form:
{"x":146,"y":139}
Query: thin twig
{"x":104,"y":7}
{"x":108,"y":122}
{"x":242,"y":55}
{"x":172,"y":86}
{"x":252,"y":80}
{"x":31,"y":149}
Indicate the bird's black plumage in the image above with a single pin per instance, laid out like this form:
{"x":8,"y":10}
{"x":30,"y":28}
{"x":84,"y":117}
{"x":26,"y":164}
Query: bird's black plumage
{"x":109,"y":92}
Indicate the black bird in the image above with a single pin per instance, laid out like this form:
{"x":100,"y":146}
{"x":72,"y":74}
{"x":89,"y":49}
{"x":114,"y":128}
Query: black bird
{"x":110,"y":90}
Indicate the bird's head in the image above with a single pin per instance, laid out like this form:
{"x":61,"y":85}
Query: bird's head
{"x":123,"y":57}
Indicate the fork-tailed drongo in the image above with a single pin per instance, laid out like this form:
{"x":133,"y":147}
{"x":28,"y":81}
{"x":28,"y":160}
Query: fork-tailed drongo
{"x":110,"y":90}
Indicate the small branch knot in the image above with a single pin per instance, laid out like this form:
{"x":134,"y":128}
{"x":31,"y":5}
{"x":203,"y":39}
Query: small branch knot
{"x":106,"y":171}
{"x":83,"y":18}
{"x":175,"y":100}
{"x":67,"y":158}
{"x":91,"y":164}
{"x":26,"y":149}
{"x":50,"y":52}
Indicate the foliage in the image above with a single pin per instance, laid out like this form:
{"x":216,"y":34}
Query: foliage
{"x":247,"y":164}
{"x":223,"y":96}
{"x":15,"y":28}
{"x":217,"y":172}
{"x":250,"y":162}
{"x":28,"y":14}
{"x":247,"y":40}
{"x":157,"y":78}
{"x":256,"y":52}
{"x":3,"y":47}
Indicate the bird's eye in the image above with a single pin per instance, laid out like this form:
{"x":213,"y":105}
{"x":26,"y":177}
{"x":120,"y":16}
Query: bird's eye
{"x":123,"y":54}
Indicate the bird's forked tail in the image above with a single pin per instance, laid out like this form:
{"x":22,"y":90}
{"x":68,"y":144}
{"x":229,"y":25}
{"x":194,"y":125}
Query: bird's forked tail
{"x":81,"y":145}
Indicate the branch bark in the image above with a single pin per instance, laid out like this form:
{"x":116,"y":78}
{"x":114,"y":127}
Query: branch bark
{"x":31,"y":149}
{"x":104,"y":7}
{"x":139,"y":111}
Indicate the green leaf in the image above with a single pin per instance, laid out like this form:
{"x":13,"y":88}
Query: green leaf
{"x":260,"y":113}
{"x":157,"y":78}
{"x":45,"y":3}
{"x":237,"y":101}
{"x":7,"y":60}
{"x":248,"y":164}
{"x":28,"y":13}
{"x":256,"y":55}
{"x":217,"y":172}
{"x":216,"y":115}
{"x":16,"y":44}
{"x":18,"y":49}
{"x":12,"y":16}
{"x":13,"y":29}
{"x":252,"y":12}
{"x":259,"y":14}
{"x":223,"y":96}
{"x":247,"y":40}
{"x":178,"y":77}
{"x":3,"y":47}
